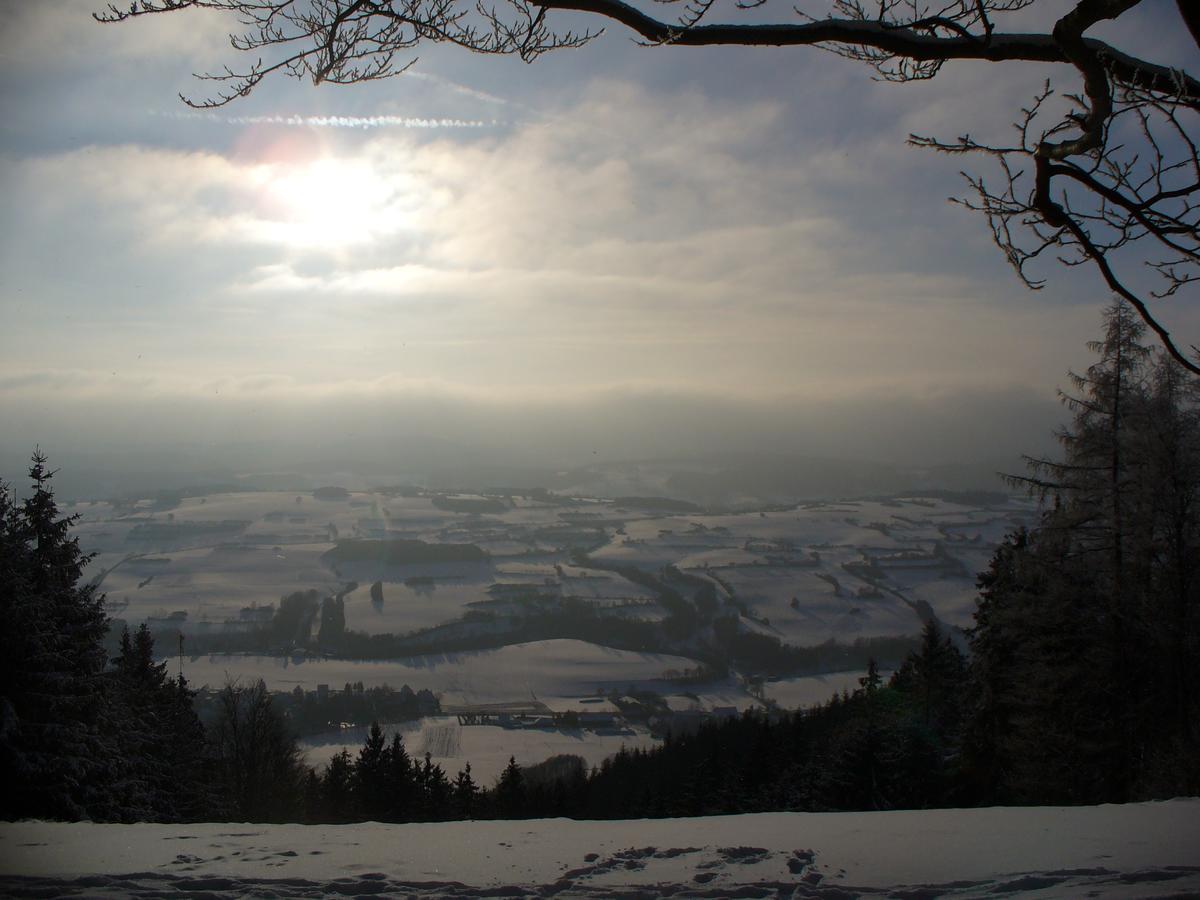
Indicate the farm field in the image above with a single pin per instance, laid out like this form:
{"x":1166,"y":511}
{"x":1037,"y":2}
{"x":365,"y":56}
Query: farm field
{"x":519,"y":672}
{"x":803,"y":575}
{"x":809,"y":573}
{"x":486,"y":747}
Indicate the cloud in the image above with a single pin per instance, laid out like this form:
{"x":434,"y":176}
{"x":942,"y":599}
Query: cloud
{"x":46,"y":36}
{"x":680,"y":245}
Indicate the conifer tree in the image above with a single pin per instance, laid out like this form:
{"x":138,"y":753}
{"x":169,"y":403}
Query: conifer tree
{"x":337,"y":792}
{"x":465,"y":793}
{"x":934,"y":675}
{"x":370,"y":776}
{"x":160,"y":741}
{"x":510,"y":790}
{"x":1100,"y":481}
{"x":1086,"y":628}
{"x":400,"y":784}
{"x":52,"y":754}
{"x":436,"y":789}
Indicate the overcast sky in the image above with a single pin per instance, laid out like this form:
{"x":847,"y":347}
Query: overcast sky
{"x":618,"y":248}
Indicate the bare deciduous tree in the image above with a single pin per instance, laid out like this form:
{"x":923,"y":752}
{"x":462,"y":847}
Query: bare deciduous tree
{"x":1111,"y":179}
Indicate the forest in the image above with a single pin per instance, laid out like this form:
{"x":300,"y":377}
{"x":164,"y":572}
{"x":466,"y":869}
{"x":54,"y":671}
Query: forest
{"x":1074,"y":686}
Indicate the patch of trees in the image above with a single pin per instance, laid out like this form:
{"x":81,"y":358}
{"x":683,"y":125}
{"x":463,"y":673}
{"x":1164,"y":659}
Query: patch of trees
{"x":753,"y":653}
{"x":657,"y":504}
{"x":333,"y":623}
{"x":569,"y":620}
{"x":293,"y":621}
{"x":874,"y":749}
{"x":331,"y":493}
{"x":883,"y":747}
{"x":310,"y":712}
{"x":260,"y":770}
{"x":401,"y":552}
{"x":683,"y":618}
{"x":469,"y":504}
{"x":384,"y":783}
{"x":80,"y":738}
{"x":1087,"y":632}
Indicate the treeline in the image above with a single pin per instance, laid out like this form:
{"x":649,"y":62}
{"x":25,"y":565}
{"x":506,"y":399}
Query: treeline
{"x":310,"y":712}
{"x":725,"y":646}
{"x":700,"y":629}
{"x":882,"y":747}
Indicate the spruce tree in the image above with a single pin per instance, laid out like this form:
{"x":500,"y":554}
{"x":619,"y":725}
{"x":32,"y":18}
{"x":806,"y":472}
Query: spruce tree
{"x":510,"y":791}
{"x":1099,"y":483}
{"x":337,"y":789}
{"x":1086,"y":631}
{"x":400,"y":781}
{"x":54,"y":760}
{"x":370,"y":776}
{"x":437,"y":791}
{"x":151,"y":721}
{"x":465,"y":794}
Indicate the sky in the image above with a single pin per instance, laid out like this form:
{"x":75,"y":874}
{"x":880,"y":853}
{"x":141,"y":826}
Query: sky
{"x":618,"y":250}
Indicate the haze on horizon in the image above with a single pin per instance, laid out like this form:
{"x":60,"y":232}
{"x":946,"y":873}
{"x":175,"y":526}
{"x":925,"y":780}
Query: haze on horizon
{"x":616,"y":253}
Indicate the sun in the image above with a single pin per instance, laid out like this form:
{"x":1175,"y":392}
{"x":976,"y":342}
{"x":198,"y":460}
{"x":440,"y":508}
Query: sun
{"x":330,"y":202}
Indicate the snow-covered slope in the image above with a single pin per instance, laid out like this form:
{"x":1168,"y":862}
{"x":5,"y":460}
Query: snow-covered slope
{"x":1138,"y":850}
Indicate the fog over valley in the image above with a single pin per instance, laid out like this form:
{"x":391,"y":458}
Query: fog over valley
{"x":359,"y":441}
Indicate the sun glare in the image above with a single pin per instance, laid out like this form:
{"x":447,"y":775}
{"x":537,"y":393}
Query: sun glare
{"x":331,"y":202}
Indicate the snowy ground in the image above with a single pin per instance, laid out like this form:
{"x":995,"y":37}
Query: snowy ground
{"x":1139,"y":850}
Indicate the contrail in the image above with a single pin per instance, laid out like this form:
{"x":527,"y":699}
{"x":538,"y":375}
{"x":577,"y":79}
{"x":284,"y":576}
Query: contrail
{"x":457,"y":88}
{"x":364,"y":122}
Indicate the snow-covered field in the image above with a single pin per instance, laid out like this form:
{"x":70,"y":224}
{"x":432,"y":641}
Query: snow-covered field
{"x":486,"y":747}
{"x":813,"y":690}
{"x":518,"y":672}
{"x":1139,"y":850}
{"x":213,"y":584}
{"x":215,"y":557}
{"x":805,"y":574}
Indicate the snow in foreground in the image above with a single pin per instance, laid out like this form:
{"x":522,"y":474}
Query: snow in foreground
{"x":1138,"y":850}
